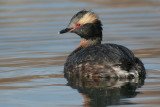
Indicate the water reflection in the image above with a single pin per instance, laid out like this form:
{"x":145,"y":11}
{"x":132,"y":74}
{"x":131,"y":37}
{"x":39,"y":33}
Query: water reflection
{"x":100,"y":92}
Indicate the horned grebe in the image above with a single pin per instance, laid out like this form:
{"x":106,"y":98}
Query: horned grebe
{"x":93,"y":59}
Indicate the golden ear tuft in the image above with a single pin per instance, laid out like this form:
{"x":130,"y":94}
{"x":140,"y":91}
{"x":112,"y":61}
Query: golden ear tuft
{"x":89,"y":17}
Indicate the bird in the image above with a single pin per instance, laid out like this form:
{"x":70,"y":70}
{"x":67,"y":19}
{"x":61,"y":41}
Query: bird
{"x":92,"y":59}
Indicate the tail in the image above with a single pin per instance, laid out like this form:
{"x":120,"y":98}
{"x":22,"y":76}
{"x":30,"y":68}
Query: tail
{"x":140,"y":68}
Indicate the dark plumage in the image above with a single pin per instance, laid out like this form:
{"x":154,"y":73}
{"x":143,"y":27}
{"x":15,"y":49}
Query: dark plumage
{"x":93,"y":59}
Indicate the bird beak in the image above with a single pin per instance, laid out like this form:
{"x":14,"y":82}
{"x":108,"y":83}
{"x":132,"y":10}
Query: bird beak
{"x":64,"y":30}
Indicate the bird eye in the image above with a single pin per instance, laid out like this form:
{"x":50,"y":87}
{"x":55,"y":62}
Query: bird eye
{"x":78,"y":25}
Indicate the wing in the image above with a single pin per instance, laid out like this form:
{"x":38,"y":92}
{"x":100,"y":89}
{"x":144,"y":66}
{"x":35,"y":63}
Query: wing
{"x":104,"y":54}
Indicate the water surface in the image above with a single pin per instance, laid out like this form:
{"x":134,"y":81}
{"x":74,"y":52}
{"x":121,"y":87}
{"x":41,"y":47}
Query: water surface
{"x":32,"y":54}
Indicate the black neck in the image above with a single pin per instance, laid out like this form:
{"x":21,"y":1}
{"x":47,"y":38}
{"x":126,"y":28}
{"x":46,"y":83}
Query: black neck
{"x":94,"y":31}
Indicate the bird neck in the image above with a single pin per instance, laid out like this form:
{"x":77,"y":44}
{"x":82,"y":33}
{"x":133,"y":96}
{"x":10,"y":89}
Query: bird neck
{"x":85,"y":43}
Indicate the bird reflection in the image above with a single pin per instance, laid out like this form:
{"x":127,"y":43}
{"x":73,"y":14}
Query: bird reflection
{"x":100,"y":92}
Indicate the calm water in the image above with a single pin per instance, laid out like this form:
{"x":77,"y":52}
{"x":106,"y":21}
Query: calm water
{"x":32,"y":54}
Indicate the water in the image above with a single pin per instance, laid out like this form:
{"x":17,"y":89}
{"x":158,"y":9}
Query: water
{"x":32,"y":54}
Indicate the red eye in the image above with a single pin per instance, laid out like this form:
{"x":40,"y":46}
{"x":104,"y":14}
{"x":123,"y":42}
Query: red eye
{"x":78,"y":25}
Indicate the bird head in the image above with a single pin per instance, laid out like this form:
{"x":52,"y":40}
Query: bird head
{"x":86,"y":24}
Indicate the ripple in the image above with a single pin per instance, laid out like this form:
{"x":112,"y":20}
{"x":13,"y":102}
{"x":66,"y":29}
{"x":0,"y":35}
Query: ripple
{"x":33,"y":54}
